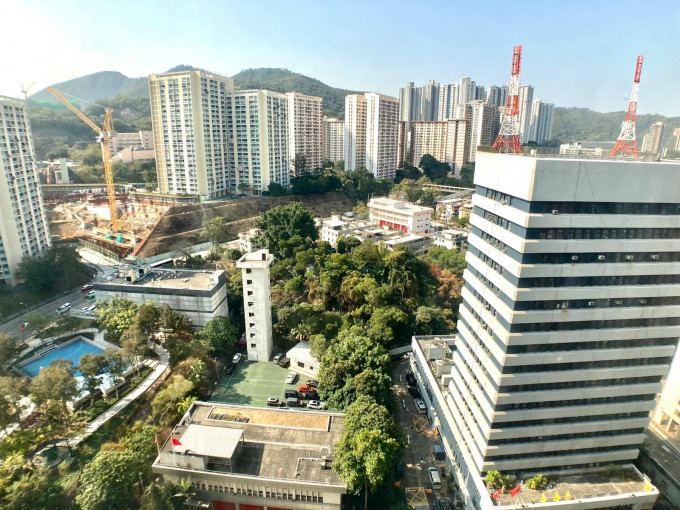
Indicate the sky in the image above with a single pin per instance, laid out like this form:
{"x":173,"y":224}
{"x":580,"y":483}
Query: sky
{"x":576,"y":53}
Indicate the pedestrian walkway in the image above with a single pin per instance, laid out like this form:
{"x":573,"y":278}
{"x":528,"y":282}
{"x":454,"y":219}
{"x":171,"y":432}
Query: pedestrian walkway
{"x":127,"y":399}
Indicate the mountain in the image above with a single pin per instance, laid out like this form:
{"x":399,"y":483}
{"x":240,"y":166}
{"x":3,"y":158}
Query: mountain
{"x":283,"y":80}
{"x":581,"y":124}
{"x":97,"y":86}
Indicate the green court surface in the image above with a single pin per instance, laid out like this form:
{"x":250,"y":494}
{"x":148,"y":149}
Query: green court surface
{"x":252,"y":383}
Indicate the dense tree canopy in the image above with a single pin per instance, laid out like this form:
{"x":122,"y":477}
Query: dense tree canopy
{"x":283,"y":223}
{"x":108,"y":481}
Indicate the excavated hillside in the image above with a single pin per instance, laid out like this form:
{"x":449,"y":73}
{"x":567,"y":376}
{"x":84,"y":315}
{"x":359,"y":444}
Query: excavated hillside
{"x":181,"y":226}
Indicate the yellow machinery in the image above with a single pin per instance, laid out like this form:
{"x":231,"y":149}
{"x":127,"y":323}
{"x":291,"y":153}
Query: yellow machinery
{"x":105,"y":133}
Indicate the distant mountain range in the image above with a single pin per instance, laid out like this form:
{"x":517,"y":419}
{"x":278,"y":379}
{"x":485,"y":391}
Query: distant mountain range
{"x":570,"y":124}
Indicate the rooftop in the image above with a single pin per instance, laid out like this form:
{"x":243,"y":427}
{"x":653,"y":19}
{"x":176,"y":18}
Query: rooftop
{"x":281,"y":444}
{"x":398,"y":205}
{"x":167,"y":279}
{"x":302,"y":351}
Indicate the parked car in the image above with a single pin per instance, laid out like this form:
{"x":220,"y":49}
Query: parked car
{"x":315,"y":404}
{"x":420,"y":405}
{"x":310,"y":395}
{"x":291,"y":377}
{"x":24,"y":325}
{"x":87,"y":287}
{"x":284,"y":362}
{"x":275,"y":402}
{"x":237,"y":358}
{"x":312,"y":383}
{"x":90,"y":295}
{"x":414,"y":392}
{"x":294,"y":402}
{"x":291,"y":394}
{"x":64,"y":308}
{"x":278,"y":357}
{"x":230,"y":368}
{"x":303,"y":388}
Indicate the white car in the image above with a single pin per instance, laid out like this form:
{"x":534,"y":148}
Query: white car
{"x":420,"y":405}
{"x":237,"y":358}
{"x":316,"y":404}
{"x":291,"y":377}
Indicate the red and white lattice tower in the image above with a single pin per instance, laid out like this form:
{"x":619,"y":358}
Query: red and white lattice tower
{"x":627,"y":141}
{"x":508,"y":136}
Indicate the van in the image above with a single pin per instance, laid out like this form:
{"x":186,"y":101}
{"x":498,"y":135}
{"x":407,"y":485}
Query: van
{"x":64,"y":308}
{"x":290,"y":394}
{"x":90,"y":295}
{"x":284,"y":362}
{"x":436,"y":481}
{"x":294,"y":402}
{"x":278,"y":357}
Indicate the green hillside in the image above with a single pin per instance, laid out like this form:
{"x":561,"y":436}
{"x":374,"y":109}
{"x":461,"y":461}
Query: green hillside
{"x":97,"y":86}
{"x":283,"y":80}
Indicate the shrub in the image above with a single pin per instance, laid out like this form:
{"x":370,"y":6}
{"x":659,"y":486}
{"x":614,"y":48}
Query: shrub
{"x":537,"y":483}
{"x":496,"y":480}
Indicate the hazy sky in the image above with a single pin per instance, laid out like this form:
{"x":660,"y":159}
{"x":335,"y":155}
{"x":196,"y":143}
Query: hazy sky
{"x":576,"y":53}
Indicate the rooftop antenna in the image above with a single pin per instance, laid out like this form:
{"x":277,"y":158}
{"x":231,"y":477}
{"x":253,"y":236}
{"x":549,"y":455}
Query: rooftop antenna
{"x":508,"y":136}
{"x":627,"y":141}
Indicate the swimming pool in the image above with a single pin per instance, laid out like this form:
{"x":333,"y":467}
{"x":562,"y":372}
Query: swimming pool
{"x":72,"y":351}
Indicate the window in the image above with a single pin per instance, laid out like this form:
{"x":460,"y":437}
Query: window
{"x":249,"y":282}
{"x":248,"y":270}
{"x":300,"y":364}
{"x":253,"y":346}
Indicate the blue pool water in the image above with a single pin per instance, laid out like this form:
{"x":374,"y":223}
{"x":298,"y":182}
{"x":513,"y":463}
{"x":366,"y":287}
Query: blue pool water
{"x":71,"y":352}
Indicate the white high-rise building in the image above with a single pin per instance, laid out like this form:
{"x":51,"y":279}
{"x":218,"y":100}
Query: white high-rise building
{"x":526,"y":98}
{"x":258,"y":123}
{"x":305,"y":131}
{"x":189,"y":117}
{"x":676,"y":142}
{"x":653,"y":141}
{"x":382,"y":134}
{"x":445,"y":141}
{"x":410,"y":103}
{"x":447,"y":95}
{"x":540,"y":127}
{"x":257,"y":306}
{"x":430,"y":108}
{"x":497,"y":96}
{"x":334,"y":139}
{"x":24,"y":231}
{"x":485,"y":125}
{"x":570,"y":319}
{"x":355,"y":131}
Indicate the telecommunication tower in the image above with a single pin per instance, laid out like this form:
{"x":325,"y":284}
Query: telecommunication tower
{"x":627,"y":141}
{"x":508,"y":137}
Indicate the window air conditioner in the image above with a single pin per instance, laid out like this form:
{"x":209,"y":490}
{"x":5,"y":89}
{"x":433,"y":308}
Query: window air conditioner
{"x":591,"y":303}
{"x":654,"y":257}
{"x":504,"y":202}
{"x":555,"y":211}
{"x":574,"y":257}
{"x":618,"y":302}
{"x":643,"y":301}
{"x":601,"y":257}
{"x":630,"y":257}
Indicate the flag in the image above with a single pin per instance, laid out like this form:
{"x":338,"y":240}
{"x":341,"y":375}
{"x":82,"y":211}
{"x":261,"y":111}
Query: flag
{"x":498,"y":493}
{"x":155,"y":439}
{"x":515,"y":491}
{"x":175,"y":442}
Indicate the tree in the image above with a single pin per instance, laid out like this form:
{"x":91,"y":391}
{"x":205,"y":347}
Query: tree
{"x":147,"y":318}
{"x":216,"y":230}
{"x":444,"y":258}
{"x":219,"y":336}
{"x":92,"y":367}
{"x":282,"y":223}
{"x":108,"y":481}
{"x":161,"y":497}
{"x":37,"y":489}
{"x":177,"y":389}
{"x":175,"y":322}
{"x":12,"y":392}
{"x":8,"y":348}
{"x":365,"y":413}
{"x":53,"y":387}
{"x":347,"y":243}
{"x":115,"y":367}
{"x":134,"y":343}
{"x":276,"y":190}
{"x":116,"y":315}
{"x":432,"y":320}
{"x":434,"y":169}
{"x":496,"y":480}
{"x":388,"y":325}
{"x":200,"y":373}
{"x":363,"y":460}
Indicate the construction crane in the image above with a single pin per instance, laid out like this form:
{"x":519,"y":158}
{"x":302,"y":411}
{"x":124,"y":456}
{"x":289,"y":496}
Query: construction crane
{"x":627,"y":141}
{"x":508,"y":137}
{"x":105,"y":133}
{"x":25,"y":90}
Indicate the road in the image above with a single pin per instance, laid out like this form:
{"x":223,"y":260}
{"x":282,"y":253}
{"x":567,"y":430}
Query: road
{"x":76,"y":298}
{"x":665,"y":453}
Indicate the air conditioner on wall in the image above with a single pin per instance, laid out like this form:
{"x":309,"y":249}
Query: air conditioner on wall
{"x":591,"y":303}
{"x":574,"y":257}
{"x":654,"y":257}
{"x":601,"y":257}
{"x":555,"y":211}
{"x":630,"y":257}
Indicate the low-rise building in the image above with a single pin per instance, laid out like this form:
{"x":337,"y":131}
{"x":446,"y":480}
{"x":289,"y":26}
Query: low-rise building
{"x":301,"y":359}
{"x":131,"y":154}
{"x":342,"y":225}
{"x":247,"y":240}
{"x":451,"y":239}
{"x":247,"y":458}
{"x":200,"y":295}
{"x":419,"y":245}
{"x":400,"y":215}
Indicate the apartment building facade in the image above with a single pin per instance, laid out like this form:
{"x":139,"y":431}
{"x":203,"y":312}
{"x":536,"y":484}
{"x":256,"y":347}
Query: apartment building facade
{"x":653,"y":141}
{"x":24,"y":231}
{"x":540,"y":126}
{"x":124,"y":140}
{"x":334,"y":139}
{"x":305,"y":133}
{"x":382,"y":134}
{"x":526,"y":101}
{"x":399,"y":215}
{"x":258,"y":123}
{"x":355,"y":131}
{"x":484,"y":126}
{"x":191,"y":139}
{"x":445,"y":141}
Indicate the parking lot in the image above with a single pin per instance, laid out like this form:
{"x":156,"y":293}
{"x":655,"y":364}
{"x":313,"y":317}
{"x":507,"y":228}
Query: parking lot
{"x":420,"y":442}
{"x":253,"y":382}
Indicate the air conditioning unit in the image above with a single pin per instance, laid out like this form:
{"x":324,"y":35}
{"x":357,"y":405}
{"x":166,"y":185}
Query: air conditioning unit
{"x":601,"y":257}
{"x":591,"y":303}
{"x":643,"y":301}
{"x":574,"y":257}
{"x":565,"y":305}
{"x":555,"y":211}
{"x":654,"y":257}
{"x":504,"y":202}
{"x":618,"y":302}
{"x":630,"y":257}
{"x":487,"y":306}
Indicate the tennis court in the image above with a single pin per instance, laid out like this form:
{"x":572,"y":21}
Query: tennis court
{"x":252,"y":383}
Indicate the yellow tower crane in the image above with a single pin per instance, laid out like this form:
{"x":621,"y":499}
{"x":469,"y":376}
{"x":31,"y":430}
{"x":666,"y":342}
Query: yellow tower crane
{"x":105,"y":133}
